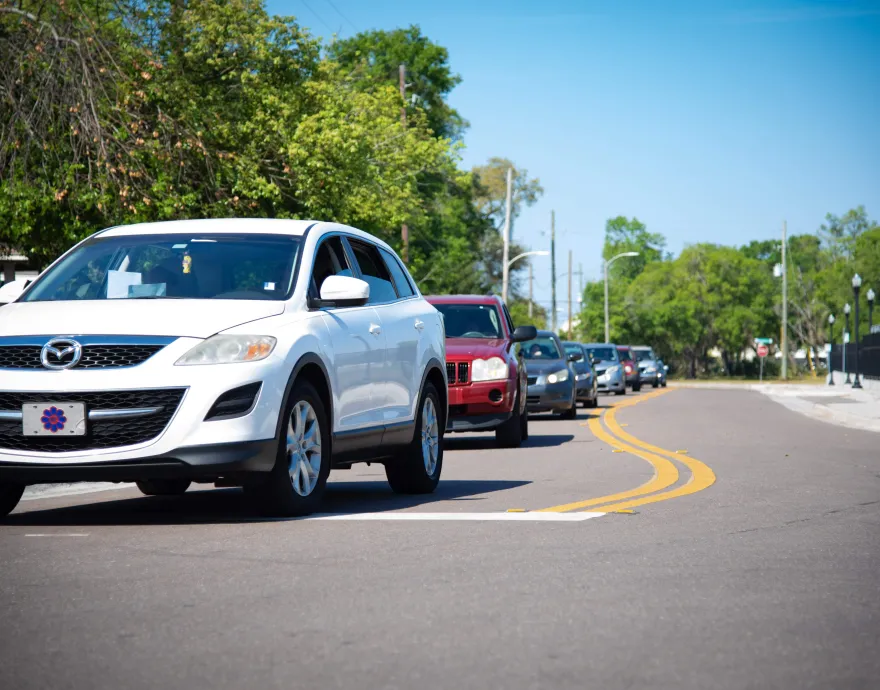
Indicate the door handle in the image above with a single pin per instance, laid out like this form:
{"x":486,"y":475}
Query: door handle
{"x":419,"y":325}
{"x":375,"y":329}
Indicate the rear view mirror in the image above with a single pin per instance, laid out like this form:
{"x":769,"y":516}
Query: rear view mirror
{"x":524,"y":333}
{"x":342,"y":291}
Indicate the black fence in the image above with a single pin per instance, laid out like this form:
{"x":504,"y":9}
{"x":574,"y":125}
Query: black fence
{"x":869,"y":356}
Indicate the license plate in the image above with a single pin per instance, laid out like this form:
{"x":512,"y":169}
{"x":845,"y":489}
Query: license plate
{"x":54,"y":419}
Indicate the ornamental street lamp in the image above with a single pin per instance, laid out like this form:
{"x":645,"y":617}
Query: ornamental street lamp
{"x":846,"y":310}
{"x":870,"y":296}
{"x":857,"y":285}
{"x":830,"y":351}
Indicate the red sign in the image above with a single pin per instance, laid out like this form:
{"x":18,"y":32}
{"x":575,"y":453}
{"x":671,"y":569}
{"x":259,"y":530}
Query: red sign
{"x":763,"y":350}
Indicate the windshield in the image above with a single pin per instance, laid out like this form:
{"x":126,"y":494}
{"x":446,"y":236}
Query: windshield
{"x":624,"y":353}
{"x":644,"y":355}
{"x":573,"y":349}
{"x":471,"y":320}
{"x":543,"y":347}
{"x":608,"y":354}
{"x":193,"y":266}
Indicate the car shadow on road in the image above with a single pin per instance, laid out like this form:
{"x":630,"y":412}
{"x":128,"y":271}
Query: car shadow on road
{"x":488,"y":442}
{"x":227,"y":506}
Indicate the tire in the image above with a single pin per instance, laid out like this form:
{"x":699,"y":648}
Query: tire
{"x":524,"y":423}
{"x":10,"y":495}
{"x":163,"y":487}
{"x":416,"y":470}
{"x":296,"y":483}
{"x":622,"y":391}
{"x":571,"y":412}
{"x":655,"y":385}
{"x":509,"y":434}
{"x":637,"y":387}
{"x":594,"y":403}
{"x":663,"y":385}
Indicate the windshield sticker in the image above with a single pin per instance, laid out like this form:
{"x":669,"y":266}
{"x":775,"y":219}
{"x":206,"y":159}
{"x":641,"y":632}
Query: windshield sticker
{"x":268,"y":286}
{"x":119,"y":282}
{"x":179,"y":246}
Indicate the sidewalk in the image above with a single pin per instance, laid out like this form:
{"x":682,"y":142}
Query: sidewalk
{"x":838,"y":404}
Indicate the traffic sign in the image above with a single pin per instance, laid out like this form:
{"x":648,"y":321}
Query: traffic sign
{"x":764,"y":341}
{"x":763,"y":350}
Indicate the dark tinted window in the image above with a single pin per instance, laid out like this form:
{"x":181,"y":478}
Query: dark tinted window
{"x":470,"y":320}
{"x":374,"y":272}
{"x":330,"y":260}
{"x":608,"y":354}
{"x":644,"y":355}
{"x":193,"y":266}
{"x":404,"y":289}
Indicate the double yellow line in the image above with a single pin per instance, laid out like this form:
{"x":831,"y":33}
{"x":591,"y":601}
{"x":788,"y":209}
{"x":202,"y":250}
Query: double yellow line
{"x":666,"y":472}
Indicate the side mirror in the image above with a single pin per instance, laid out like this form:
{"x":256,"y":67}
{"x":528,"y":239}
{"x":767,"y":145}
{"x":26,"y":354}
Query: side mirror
{"x":665,"y":367}
{"x":523,"y":334}
{"x":342,"y":291}
{"x":575,"y":357}
{"x":12,"y":291}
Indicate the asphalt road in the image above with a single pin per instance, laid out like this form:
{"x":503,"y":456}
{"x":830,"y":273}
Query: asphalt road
{"x":750,"y":558}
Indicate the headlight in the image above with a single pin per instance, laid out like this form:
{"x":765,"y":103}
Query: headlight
{"x":650,"y":370}
{"x":612,"y":370}
{"x":492,"y":369}
{"x":229,"y":349}
{"x":581,"y":377}
{"x":558,"y":376}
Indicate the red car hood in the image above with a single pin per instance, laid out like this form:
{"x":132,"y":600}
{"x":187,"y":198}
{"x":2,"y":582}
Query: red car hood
{"x":474,"y":348}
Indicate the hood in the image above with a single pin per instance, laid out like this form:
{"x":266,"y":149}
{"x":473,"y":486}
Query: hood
{"x":648,"y":363}
{"x":536,"y":367}
{"x":180,"y":318}
{"x":474,"y":348}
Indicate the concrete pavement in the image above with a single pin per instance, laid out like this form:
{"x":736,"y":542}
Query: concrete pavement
{"x":764,"y":578}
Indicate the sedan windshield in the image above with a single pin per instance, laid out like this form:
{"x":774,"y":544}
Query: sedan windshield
{"x":644,"y":355}
{"x":541,"y":348}
{"x":200,"y":266}
{"x":607,"y":354}
{"x":470,"y":320}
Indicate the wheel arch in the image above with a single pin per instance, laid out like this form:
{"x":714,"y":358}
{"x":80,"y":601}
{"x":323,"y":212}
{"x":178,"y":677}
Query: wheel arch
{"x":310,"y":367}
{"x":434,"y":372}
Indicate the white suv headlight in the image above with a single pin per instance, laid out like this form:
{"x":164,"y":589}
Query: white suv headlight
{"x":558,"y":376}
{"x":229,"y":349}
{"x":610,"y":371}
{"x":492,"y":369}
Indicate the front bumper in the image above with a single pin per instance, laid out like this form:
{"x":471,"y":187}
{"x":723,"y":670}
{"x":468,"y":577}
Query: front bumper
{"x":546,"y":397}
{"x":197,"y":463}
{"x":480,"y":406}
{"x":649,"y":379}
{"x":610,"y":384}
{"x":185,"y":433}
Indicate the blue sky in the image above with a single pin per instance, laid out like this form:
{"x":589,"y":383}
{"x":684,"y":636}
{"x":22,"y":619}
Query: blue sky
{"x":709,"y":121}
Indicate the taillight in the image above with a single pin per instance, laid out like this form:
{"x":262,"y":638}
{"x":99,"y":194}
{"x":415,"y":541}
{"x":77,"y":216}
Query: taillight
{"x":628,"y":369}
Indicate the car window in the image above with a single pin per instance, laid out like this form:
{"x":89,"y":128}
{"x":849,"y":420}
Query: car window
{"x":471,"y":320}
{"x":374,"y":272}
{"x":401,"y":282}
{"x":607,"y":354}
{"x":172,"y":266}
{"x":330,"y":260}
{"x":510,"y":325}
{"x":542,"y":347}
{"x":644,"y":355}
{"x":624,"y":353}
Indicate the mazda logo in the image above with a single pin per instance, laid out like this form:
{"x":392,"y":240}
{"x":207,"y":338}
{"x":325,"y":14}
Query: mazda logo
{"x":61,"y":353}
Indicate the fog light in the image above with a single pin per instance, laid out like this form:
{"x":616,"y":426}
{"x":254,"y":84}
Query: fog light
{"x":495,"y":395}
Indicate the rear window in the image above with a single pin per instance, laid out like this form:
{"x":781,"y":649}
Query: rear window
{"x":471,"y":321}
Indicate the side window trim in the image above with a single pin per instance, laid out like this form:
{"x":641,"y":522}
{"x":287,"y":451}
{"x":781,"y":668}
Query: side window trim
{"x":509,"y":320}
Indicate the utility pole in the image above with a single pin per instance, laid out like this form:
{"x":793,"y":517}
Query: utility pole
{"x":404,"y":230}
{"x":569,"y":294}
{"x":580,"y":280}
{"x":505,"y":270}
{"x":553,"y":268}
{"x":530,"y":289}
{"x":784,"y":306}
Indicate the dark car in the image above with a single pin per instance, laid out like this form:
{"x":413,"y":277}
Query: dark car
{"x":630,"y":370}
{"x":585,"y":375}
{"x":651,"y":371}
{"x":551,"y":376}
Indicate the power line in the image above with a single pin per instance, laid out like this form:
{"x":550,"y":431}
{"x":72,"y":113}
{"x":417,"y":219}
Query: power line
{"x":320,"y":18}
{"x":339,"y":12}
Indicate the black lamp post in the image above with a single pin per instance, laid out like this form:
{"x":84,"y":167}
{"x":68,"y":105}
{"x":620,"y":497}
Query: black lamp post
{"x":831,"y":351}
{"x":846,"y":309}
{"x":857,"y":285}
{"x":870,"y":296}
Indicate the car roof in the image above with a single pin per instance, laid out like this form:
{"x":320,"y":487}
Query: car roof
{"x":599,"y":345}
{"x":270,"y":226}
{"x":463,"y":299}
{"x":573,"y":342}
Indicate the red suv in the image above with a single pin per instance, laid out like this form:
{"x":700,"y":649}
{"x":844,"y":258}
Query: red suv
{"x":630,"y":370}
{"x":486,"y":376}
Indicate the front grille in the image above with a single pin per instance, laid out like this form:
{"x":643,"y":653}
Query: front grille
{"x":533,"y":399}
{"x":93,"y":356}
{"x":103,"y":433}
{"x":532,"y":380}
{"x":457,"y":373}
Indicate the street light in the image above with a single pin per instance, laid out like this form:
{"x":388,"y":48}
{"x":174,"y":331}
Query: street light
{"x":831,"y":350}
{"x":857,"y":285}
{"x":846,"y":310}
{"x":514,"y":260}
{"x":870,"y":297}
{"x":607,"y":264}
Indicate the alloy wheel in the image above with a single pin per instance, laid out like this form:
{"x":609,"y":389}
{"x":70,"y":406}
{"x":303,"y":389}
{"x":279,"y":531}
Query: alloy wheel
{"x":430,"y":437}
{"x":303,"y":448}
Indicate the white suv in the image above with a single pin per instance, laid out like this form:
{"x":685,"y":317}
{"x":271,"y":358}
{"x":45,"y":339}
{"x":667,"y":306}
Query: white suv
{"x":258,"y":353}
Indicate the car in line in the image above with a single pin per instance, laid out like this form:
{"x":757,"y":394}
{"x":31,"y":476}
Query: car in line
{"x":485,"y":372}
{"x":609,"y":370}
{"x":651,"y":371}
{"x":551,"y":376}
{"x":585,"y":375}
{"x":239,"y":352}
{"x":630,"y":370}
